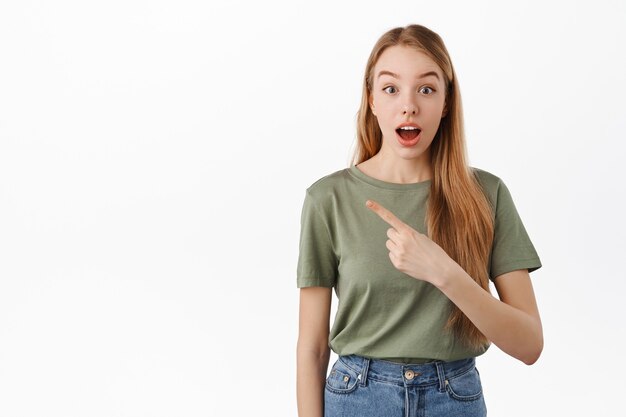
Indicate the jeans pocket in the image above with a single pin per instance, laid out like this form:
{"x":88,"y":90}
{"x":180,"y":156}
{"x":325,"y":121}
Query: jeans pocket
{"x":466,"y":386}
{"x":342,"y":379}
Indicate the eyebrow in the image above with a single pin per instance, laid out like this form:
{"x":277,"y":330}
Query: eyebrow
{"x":394,"y":75}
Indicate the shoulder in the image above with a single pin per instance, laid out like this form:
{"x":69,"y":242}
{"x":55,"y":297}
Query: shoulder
{"x":492,"y":185}
{"x":327,"y":186}
{"x":487,"y":179}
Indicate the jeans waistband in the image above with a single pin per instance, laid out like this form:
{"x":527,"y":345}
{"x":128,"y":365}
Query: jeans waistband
{"x":435,"y":372}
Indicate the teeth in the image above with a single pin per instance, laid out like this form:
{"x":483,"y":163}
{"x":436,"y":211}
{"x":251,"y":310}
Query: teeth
{"x":408,"y":128}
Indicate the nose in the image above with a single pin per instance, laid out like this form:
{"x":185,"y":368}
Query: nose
{"x":409,"y":106}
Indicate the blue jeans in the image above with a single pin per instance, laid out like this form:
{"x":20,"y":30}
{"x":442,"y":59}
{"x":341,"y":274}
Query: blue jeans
{"x":364,"y":387}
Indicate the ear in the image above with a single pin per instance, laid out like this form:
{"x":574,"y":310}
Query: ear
{"x":371,"y":103}
{"x":445,"y":110}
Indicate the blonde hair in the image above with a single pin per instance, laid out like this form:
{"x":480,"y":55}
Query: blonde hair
{"x":458,"y":215}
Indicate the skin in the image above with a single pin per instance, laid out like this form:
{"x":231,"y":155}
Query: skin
{"x":405,"y":98}
{"x":512,"y":322}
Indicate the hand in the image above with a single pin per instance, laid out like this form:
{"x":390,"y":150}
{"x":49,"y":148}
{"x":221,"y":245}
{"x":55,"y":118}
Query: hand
{"x":412,"y":252}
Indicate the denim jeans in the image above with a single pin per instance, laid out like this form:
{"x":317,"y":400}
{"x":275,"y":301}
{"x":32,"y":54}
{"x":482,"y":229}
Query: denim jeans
{"x":364,"y":387}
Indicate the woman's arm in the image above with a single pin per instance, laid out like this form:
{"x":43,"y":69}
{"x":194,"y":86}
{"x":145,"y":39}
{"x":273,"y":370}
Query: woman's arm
{"x":313,"y":352}
{"x":511,"y":323}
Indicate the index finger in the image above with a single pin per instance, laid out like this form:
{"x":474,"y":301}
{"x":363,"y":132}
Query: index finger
{"x":385,"y":214}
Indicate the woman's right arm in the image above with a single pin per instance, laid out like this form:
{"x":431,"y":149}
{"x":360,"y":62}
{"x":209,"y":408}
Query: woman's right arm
{"x":313,"y":352}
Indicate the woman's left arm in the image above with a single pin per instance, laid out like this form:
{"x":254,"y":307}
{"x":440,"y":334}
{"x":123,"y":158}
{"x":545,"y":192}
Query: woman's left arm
{"x":511,"y":323}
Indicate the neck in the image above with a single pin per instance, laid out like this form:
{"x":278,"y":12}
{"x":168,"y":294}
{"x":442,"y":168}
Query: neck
{"x":391,"y":168}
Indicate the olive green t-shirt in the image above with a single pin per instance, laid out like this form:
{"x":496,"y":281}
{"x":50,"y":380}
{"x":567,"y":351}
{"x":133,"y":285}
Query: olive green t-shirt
{"x":384,"y":313}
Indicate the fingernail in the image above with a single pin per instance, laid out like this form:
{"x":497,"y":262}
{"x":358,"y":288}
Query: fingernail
{"x":368,"y":203}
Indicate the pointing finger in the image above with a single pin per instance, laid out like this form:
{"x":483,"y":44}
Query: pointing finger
{"x":386,"y":215}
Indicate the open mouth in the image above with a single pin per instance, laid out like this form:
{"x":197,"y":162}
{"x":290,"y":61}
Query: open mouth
{"x":408,"y":132}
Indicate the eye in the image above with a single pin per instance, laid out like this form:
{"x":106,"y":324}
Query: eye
{"x":432,"y":91}
{"x":390,"y":87}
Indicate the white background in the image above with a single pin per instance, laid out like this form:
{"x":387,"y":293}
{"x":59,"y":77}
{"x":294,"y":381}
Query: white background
{"x":153,"y":162}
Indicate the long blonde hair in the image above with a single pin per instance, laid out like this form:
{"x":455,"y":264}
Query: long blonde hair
{"x":459,"y":216}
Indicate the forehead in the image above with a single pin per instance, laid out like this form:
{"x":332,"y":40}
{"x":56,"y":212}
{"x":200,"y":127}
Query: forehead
{"x":406,"y":61}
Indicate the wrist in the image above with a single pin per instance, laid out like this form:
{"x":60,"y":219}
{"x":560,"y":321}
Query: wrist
{"x":450,"y":273}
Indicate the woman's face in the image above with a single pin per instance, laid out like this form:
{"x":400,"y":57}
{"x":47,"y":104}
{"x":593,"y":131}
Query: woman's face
{"x":407,"y":91}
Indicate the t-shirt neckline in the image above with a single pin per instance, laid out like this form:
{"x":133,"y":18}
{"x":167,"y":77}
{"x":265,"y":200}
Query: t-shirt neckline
{"x":388,"y":185}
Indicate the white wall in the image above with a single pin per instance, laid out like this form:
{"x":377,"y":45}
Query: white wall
{"x":153,"y":162}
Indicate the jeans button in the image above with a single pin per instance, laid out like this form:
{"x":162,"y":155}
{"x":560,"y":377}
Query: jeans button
{"x":409,"y":374}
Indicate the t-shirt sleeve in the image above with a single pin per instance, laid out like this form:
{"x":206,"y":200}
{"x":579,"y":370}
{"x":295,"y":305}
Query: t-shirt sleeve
{"x":317,"y":261}
{"x":512,"y":247}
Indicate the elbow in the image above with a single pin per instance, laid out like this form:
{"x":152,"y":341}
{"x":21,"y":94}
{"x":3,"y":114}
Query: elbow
{"x":533,"y":355}
{"x":318,"y":353}
{"x":531,"y":359}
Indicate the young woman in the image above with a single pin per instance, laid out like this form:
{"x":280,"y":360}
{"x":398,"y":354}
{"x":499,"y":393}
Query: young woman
{"x":410,"y":238}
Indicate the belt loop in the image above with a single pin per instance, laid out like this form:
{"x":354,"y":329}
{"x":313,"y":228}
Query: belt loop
{"x":441,"y":375}
{"x":364,"y":370}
